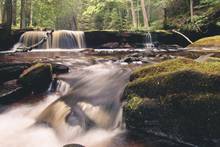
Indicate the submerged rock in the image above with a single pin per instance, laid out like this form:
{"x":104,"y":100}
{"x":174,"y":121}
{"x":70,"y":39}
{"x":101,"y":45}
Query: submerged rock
{"x":178,"y":97}
{"x":73,"y":145}
{"x":59,"y":68}
{"x":37,"y":78}
{"x":110,"y":45}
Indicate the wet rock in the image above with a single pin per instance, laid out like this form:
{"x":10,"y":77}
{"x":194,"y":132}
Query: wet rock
{"x":10,"y":92}
{"x":128,"y":60}
{"x":59,"y":68}
{"x":73,"y":145}
{"x":136,"y":57}
{"x":13,"y":95}
{"x":126,"y":45}
{"x":36,"y":78}
{"x":11,"y":71}
{"x":110,"y":45}
{"x":145,"y":60}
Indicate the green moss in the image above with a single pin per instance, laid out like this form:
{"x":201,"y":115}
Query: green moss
{"x":188,"y":95}
{"x":179,"y":75}
{"x":213,"y":41}
{"x":161,"y":68}
{"x":134,"y":103}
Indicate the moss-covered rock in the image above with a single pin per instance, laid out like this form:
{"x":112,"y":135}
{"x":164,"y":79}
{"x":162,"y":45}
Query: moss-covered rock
{"x":213,"y":41}
{"x":181,"y":97}
{"x":196,"y":115}
{"x":37,"y":78}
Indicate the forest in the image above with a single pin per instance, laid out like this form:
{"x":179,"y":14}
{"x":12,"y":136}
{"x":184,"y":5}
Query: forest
{"x":107,"y":14}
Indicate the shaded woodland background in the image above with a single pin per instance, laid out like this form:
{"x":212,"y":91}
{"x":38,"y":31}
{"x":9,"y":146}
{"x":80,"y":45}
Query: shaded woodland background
{"x":109,"y":14}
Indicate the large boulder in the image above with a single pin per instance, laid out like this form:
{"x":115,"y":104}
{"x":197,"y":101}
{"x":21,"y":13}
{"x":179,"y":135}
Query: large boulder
{"x":178,"y":97}
{"x":36,"y":78}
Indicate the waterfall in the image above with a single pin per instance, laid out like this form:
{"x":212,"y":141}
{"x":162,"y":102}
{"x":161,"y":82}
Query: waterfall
{"x":32,"y":37}
{"x":63,"y":39}
{"x":148,"y":41}
{"x":68,"y":39}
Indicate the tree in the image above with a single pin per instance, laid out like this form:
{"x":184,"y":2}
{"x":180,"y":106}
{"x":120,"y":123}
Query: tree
{"x":145,"y":15}
{"x":1,"y":10}
{"x":22,"y":14}
{"x":7,"y":17}
{"x":14,"y":12}
{"x":134,"y":19}
{"x":191,"y":10}
{"x":28,"y":13}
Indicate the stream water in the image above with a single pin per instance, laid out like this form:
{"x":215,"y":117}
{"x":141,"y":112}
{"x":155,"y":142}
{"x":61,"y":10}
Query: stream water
{"x":81,"y":107}
{"x":90,"y":114}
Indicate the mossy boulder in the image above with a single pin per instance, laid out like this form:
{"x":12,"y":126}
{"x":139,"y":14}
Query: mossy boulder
{"x":213,"y":41}
{"x":36,"y":78}
{"x":181,"y":97}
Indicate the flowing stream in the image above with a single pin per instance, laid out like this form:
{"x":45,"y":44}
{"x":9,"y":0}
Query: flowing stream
{"x":85,"y":109}
{"x":81,"y":107}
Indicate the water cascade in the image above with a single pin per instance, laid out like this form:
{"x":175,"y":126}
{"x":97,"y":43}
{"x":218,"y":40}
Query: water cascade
{"x":90,"y":114}
{"x":68,"y":39}
{"x":32,"y":37}
{"x":148,"y":41}
{"x":63,"y":39}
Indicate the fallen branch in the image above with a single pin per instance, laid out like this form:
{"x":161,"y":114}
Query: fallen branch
{"x":184,"y":36}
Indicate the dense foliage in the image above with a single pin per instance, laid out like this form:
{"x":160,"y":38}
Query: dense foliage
{"x":105,"y":14}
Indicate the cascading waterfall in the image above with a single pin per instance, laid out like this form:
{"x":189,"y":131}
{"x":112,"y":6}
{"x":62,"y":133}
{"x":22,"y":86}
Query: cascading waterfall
{"x":63,"y":39}
{"x":32,"y":37}
{"x":148,"y":41}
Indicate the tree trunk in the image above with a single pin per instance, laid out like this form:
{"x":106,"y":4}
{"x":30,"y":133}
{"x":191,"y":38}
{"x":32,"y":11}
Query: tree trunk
{"x":14,"y":12}
{"x":165,"y":18}
{"x":1,"y":11}
{"x":138,"y":14}
{"x":22,"y":14}
{"x":74,"y":24}
{"x":134,"y":20}
{"x":191,"y":10}
{"x":7,"y":18}
{"x":28,"y":12}
{"x":145,"y":16}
